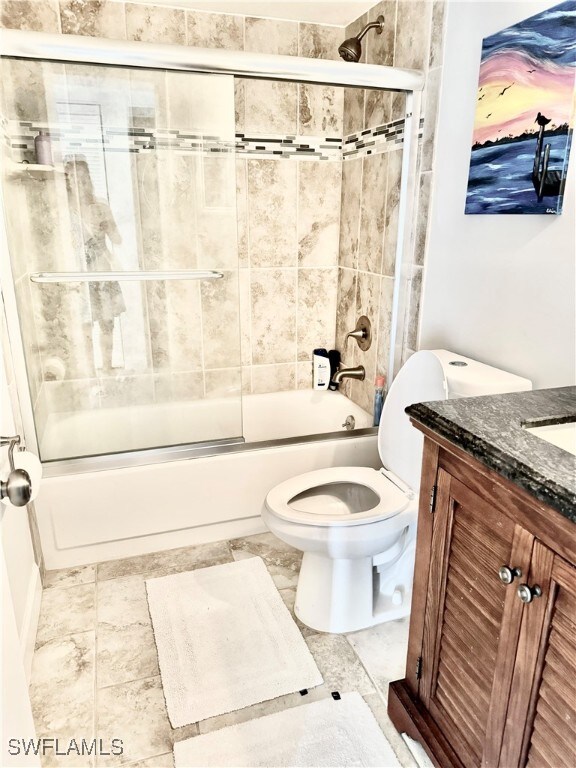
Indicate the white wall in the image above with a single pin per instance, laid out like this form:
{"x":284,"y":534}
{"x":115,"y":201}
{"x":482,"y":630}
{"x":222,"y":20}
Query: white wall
{"x":498,"y":288}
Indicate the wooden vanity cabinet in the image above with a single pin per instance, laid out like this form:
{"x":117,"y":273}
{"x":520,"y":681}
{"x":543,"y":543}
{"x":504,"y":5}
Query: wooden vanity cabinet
{"x":490,"y":679}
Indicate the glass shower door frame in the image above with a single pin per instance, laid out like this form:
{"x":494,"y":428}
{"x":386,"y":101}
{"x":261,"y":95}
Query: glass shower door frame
{"x":84,"y":50}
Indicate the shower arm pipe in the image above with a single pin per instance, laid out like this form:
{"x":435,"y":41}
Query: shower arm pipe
{"x":92,"y":50}
{"x":367,"y":28}
{"x":108,"y":277}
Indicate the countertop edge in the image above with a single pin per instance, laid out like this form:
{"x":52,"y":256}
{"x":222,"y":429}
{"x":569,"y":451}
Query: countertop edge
{"x":517,"y":472}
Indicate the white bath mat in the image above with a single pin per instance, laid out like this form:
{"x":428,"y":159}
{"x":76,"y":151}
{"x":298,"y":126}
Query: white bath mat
{"x":225,"y":641}
{"x":325,"y":733}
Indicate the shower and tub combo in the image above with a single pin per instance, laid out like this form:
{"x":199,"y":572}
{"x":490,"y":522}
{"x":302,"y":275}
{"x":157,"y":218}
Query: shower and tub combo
{"x":125,"y":306}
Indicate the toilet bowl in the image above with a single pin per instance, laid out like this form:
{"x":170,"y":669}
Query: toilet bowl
{"x":356,"y":526}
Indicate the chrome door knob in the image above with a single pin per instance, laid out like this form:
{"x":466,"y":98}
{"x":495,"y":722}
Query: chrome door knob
{"x":507,"y":574}
{"x":527,"y":593}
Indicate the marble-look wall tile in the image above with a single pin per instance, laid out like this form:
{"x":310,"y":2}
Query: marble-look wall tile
{"x":273,"y":378}
{"x":373,"y":212}
{"x":242,"y":211}
{"x":304,"y":374}
{"x":437,"y":33}
{"x":217,"y":213}
{"x":380,"y":51}
{"x":119,"y":391}
{"x":64,"y":327}
{"x":321,"y":110}
{"x":345,"y":306}
{"x":350,"y":212}
{"x":353,"y":110}
{"x":94,"y":18}
{"x":166,"y":188}
{"x":74,"y":395}
{"x":380,"y":47}
{"x":384,"y":324}
{"x":221,"y":321}
{"x":272,"y":191}
{"x":422,"y":217}
{"x":368,"y":297}
{"x":319,"y":214}
{"x":391,"y":219}
{"x":201,"y":103}
{"x":317,"y":41}
{"x":178,"y":386}
{"x":215,"y":30}
{"x":155,"y":24}
{"x":23,"y":88}
{"x":411,"y":331}
{"x":175,"y":321}
{"x":239,"y":104}
{"x":271,"y":36}
{"x":273,"y":322}
{"x":317,"y":290}
{"x":224,"y":382}
{"x":271,"y":106}
{"x":32,"y":15}
{"x":377,"y":109}
{"x":431,"y":117}
{"x":412,"y":34}
{"x":245,"y":313}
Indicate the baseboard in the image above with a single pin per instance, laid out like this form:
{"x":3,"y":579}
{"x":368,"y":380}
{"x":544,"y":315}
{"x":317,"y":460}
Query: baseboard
{"x":29,"y":626}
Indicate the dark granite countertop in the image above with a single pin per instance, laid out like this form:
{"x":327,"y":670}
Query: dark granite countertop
{"x":490,"y":428}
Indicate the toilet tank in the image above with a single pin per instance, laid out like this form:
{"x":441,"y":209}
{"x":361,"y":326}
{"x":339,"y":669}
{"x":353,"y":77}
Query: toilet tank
{"x":469,"y":378}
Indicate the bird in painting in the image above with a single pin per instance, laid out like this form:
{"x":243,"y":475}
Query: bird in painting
{"x":505,"y":89}
{"x":487,"y":116}
{"x":541,"y":120}
{"x":481,"y":97}
{"x":530,"y":71}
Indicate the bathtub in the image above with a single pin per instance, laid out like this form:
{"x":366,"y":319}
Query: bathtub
{"x":274,"y":416}
{"x":105,"y":513}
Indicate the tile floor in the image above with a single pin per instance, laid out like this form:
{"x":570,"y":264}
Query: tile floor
{"x":95,"y":670}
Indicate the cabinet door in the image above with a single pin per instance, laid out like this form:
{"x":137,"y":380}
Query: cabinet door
{"x":472,"y":620}
{"x":541,"y":722}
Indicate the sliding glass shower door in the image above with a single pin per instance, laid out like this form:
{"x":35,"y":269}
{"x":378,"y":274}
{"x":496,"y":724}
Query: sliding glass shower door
{"x":119,"y":193}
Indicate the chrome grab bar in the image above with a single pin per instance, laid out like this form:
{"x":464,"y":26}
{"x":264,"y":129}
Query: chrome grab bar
{"x":107,"y":277}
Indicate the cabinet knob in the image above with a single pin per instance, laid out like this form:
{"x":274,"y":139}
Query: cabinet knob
{"x":507,"y":574}
{"x":527,"y":593}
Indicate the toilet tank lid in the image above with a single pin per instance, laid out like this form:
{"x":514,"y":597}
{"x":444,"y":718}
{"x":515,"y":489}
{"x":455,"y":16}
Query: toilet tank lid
{"x":421,"y":378}
{"x":468,"y":378}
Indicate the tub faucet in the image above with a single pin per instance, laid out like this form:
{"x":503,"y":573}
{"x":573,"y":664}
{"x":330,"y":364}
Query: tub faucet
{"x":349,"y":373}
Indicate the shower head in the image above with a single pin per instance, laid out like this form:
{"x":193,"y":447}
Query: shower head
{"x":350,"y":49}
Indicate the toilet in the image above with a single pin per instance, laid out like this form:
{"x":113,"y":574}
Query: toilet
{"x":357,"y":526}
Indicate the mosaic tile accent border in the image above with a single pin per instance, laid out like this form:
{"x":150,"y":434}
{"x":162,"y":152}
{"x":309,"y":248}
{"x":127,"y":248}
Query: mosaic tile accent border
{"x":298,"y":147}
{"x":74,"y":138}
{"x":373,"y":141}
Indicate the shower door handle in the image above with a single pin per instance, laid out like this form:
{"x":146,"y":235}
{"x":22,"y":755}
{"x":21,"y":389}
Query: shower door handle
{"x":107,"y":277}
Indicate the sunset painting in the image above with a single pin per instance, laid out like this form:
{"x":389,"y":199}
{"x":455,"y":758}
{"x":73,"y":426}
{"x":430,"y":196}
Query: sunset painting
{"x":524,"y":116}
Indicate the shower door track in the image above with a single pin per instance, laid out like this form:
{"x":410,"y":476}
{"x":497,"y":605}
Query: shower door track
{"x":77,"y":49}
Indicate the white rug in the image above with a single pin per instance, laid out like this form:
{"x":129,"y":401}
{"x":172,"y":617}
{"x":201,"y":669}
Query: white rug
{"x":325,"y":733}
{"x":225,"y":641}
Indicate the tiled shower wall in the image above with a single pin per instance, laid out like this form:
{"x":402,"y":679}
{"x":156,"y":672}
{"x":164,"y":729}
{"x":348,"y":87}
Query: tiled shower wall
{"x":319,"y":234}
{"x":412,"y":39}
{"x":287,"y":210}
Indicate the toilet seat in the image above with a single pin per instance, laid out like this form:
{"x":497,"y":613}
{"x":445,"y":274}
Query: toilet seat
{"x":389,"y":502}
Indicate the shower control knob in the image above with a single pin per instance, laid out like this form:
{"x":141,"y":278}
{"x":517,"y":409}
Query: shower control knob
{"x":527,"y":593}
{"x":507,"y":574}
